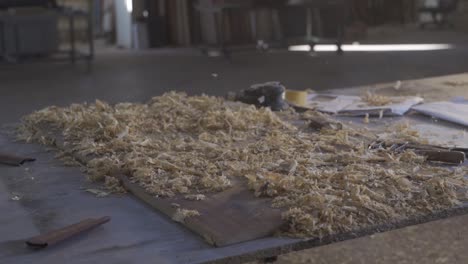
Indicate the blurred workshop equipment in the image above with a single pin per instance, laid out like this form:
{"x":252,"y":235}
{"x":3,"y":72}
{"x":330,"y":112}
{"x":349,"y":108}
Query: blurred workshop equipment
{"x":29,"y":31}
{"x":439,"y":11}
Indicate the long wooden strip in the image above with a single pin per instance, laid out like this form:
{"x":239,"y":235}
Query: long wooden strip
{"x":453,"y":157}
{"x":14,"y":160}
{"x":65,"y":233}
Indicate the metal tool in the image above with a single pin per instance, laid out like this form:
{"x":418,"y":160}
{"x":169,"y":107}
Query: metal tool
{"x":59,"y":235}
{"x":269,"y":94}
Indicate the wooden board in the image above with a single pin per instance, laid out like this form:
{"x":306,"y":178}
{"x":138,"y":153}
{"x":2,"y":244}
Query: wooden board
{"x":228,"y":217}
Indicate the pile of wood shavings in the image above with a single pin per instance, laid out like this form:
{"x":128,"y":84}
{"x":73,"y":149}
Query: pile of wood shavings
{"x":173,"y":144}
{"x":326,"y":182}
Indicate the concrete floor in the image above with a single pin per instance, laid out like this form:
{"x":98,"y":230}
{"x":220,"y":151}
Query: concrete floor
{"x":136,"y":76}
{"x":438,"y":242}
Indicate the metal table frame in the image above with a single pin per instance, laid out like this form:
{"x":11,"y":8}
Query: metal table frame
{"x":72,"y":54}
{"x":313,"y":15}
{"x":219,"y":13}
{"x":75,"y":55}
{"x":312,"y":7}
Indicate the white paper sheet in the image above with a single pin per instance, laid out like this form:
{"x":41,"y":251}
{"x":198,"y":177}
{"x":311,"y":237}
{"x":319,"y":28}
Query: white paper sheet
{"x":330,"y":103}
{"x":353,"y":105}
{"x":449,"y":111}
{"x":404,"y":105}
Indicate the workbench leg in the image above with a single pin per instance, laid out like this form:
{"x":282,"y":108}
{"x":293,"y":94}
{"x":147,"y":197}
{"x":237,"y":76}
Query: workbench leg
{"x":260,"y":43}
{"x":340,"y":49}
{"x":90,"y":33}
{"x":4,"y":54}
{"x":253,"y":24}
{"x":340,"y":30}
{"x":317,"y":17}
{"x":223,"y":37}
{"x":309,"y":25}
{"x":222,"y":43}
{"x":277,"y":30}
{"x":72,"y":37}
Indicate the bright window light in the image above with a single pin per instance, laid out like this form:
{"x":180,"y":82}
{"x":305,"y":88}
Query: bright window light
{"x":373,"y":47}
{"x":129,"y":5}
{"x":299,"y":48}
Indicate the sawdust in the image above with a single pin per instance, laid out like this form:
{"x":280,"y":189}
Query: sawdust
{"x":98,"y":193}
{"x":326,"y":181}
{"x":366,"y":119}
{"x":372,"y":99}
{"x":182,"y":214}
{"x":195,"y":197}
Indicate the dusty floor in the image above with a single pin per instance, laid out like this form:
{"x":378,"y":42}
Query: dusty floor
{"x":436,"y":242}
{"x":136,"y":76}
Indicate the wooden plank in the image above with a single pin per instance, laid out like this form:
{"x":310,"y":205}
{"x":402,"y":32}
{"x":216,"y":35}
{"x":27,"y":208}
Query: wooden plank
{"x":454,"y":157}
{"x":229,"y":217}
{"x":226,"y":218}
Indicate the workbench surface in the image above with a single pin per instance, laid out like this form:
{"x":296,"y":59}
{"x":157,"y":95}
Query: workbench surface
{"x":45,"y":195}
{"x":52,"y":196}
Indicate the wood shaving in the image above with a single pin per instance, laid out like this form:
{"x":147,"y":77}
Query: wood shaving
{"x":397,"y":85}
{"x":15,"y":197}
{"x":372,"y":99}
{"x":113,"y":185}
{"x":326,"y":181}
{"x":366,"y":119}
{"x":195,"y":197}
{"x":381,"y":114}
{"x":98,"y":193}
{"x":182,"y":214}
{"x":68,"y":159}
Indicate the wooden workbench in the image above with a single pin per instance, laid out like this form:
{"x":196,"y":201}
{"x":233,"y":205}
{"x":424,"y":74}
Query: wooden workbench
{"x":51,"y":195}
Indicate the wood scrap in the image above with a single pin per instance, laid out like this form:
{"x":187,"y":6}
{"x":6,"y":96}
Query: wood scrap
{"x":14,"y":160}
{"x":59,"y":235}
{"x":373,"y":99}
{"x":431,"y":152}
{"x":318,"y":121}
